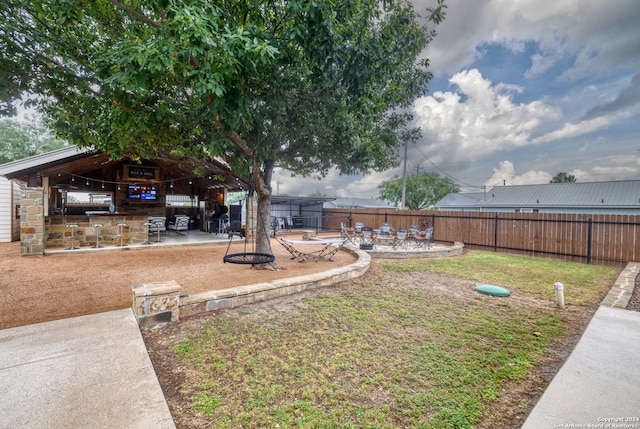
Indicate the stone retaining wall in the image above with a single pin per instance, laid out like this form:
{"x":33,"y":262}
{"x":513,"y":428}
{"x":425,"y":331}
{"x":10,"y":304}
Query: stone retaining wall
{"x":249,"y":294}
{"x":437,"y":251}
{"x":621,"y":292}
{"x":156,"y":304}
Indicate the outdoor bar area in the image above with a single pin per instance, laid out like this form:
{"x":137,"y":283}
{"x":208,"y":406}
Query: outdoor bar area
{"x":74,"y":198}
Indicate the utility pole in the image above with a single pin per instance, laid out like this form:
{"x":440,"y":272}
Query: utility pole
{"x":404,"y":175}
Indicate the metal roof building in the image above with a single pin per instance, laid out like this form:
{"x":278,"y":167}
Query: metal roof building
{"x":615,"y":197}
{"x":358,"y":203}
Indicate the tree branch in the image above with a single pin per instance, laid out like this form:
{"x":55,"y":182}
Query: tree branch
{"x":235,"y":137}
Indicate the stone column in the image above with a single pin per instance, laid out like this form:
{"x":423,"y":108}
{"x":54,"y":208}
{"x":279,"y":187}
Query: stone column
{"x":31,"y":221}
{"x":156,"y":304}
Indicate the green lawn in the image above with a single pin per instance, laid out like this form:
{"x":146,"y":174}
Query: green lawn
{"x":386,"y":351}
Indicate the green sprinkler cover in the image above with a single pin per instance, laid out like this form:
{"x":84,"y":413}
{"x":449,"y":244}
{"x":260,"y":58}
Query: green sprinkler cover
{"x":492,"y":290}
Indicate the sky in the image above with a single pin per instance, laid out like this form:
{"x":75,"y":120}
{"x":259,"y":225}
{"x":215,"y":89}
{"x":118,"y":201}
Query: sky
{"x":522,"y":90}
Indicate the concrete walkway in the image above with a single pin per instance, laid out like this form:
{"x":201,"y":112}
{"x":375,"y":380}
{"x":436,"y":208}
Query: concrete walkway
{"x":82,"y":372}
{"x":599,"y":384}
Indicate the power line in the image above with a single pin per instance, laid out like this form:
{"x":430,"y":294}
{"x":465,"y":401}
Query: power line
{"x":444,"y":172}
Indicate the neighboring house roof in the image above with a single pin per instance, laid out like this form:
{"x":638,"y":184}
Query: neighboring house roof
{"x":74,"y":160}
{"x":618,"y":194}
{"x":369,"y":203}
{"x":461,"y":199}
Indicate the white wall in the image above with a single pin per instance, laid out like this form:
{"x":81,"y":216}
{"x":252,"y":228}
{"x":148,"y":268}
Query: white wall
{"x":9,"y":199}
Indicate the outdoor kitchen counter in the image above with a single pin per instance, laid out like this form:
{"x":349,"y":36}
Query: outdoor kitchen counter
{"x":58,"y":233}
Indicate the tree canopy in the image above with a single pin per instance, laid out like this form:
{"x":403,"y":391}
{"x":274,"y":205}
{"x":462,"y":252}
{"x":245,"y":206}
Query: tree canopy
{"x":422,"y":191}
{"x":563,"y":177}
{"x":21,"y":140}
{"x":305,"y":85}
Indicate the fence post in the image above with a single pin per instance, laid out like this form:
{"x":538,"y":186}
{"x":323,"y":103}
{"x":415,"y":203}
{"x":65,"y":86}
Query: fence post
{"x":495,"y":233}
{"x":589,"y":238}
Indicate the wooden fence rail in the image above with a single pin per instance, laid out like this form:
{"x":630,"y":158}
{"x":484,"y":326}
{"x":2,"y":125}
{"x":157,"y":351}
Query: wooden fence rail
{"x":597,"y":239}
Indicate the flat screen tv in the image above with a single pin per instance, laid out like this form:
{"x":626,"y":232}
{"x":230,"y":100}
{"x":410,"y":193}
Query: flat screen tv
{"x":142,"y":192}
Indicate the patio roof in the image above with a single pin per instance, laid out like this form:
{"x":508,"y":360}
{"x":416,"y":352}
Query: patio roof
{"x":278,"y":200}
{"x":74,"y":161}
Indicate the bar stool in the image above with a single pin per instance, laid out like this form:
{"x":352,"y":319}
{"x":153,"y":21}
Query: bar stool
{"x":121,"y":233}
{"x":147,"y":224}
{"x":73,"y":227}
{"x":97,"y":226}
{"x":158,"y":224}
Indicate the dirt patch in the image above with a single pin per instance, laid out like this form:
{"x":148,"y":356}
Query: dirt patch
{"x":43,"y":288}
{"x":509,"y":411}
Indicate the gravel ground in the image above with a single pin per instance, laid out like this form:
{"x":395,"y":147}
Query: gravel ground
{"x":634,"y":302}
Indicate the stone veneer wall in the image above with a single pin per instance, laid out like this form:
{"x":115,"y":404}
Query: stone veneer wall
{"x":58,"y":234}
{"x":156,"y":304}
{"x":32,"y":221}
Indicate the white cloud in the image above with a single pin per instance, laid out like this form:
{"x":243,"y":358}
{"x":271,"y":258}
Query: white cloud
{"x":573,"y":130}
{"x":333,"y":185}
{"x":505,"y":174}
{"x":602,"y":36}
{"x":478,"y":120}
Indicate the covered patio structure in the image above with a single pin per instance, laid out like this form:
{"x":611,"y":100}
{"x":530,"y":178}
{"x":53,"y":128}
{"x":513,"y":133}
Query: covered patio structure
{"x":79,"y":197}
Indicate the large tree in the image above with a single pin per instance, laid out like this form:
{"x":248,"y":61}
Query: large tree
{"x":305,"y":85}
{"x":20,"y":140}
{"x":422,"y":191}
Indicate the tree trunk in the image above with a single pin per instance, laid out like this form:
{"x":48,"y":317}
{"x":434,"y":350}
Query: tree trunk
{"x":261,"y":178}
{"x":262,"y":184}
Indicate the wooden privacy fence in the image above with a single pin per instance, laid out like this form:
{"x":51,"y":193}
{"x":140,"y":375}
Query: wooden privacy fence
{"x":599,"y":239}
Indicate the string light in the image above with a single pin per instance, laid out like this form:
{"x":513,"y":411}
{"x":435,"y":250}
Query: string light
{"x":88,"y":180}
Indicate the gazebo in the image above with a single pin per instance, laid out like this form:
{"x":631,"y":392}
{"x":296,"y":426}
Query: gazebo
{"x":76,"y":186}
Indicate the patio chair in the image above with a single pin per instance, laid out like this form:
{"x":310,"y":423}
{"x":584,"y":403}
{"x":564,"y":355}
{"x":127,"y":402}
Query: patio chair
{"x":385,"y":229}
{"x":413,"y":234}
{"x":367,"y":242}
{"x":179,"y":224}
{"x":424,"y":239}
{"x":347,"y":234}
{"x":400,"y":240}
{"x":357,"y":231}
{"x":429,"y":237}
{"x":329,"y":248}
